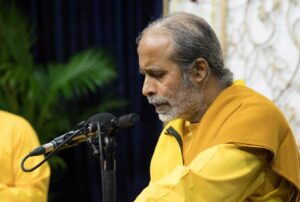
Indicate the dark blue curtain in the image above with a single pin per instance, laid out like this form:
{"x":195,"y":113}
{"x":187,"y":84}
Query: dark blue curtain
{"x":65,"y":27}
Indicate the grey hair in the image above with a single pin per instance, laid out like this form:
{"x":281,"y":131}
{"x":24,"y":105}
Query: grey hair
{"x":193,"y":38}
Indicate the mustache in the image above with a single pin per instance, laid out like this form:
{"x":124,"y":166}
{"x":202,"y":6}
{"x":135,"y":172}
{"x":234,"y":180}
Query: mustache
{"x":156,"y":99}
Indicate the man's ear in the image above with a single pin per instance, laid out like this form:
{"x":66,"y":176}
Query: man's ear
{"x":201,"y":70}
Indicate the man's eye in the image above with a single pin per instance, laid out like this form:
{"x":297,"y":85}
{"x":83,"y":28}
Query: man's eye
{"x":157,"y":75}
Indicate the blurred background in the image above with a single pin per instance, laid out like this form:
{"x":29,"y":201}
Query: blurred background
{"x":62,"y":61}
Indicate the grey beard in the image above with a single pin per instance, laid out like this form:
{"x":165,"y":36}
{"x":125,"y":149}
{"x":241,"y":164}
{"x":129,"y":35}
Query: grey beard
{"x":188,"y":103}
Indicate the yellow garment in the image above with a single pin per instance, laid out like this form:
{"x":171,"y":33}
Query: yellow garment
{"x":167,"y":151}
{"x":240,"y":116}
{"x":223,"y":173}
{"x":17,"y":140}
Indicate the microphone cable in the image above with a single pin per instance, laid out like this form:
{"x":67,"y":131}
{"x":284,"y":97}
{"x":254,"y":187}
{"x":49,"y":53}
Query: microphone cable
{"x":48,"y":156}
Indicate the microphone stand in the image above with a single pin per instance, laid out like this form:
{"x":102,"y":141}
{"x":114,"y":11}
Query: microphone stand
{"x":103,"y":147}
{"x":106,"y":153}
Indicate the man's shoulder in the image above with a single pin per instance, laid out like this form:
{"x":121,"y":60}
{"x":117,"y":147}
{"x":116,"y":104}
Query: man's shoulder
{"x":249,"y":98}
{"x":244,"y":106}
{"x":9,"y":119}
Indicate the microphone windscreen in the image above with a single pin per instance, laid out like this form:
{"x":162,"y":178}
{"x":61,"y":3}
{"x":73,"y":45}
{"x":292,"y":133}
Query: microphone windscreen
{"x":101,"y":118}
{"x":127,"y":120}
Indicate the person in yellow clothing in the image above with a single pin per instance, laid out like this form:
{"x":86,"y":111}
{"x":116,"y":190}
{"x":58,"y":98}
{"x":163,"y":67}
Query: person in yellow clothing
{"x":18,"y":138}
{"x":222,"y":141}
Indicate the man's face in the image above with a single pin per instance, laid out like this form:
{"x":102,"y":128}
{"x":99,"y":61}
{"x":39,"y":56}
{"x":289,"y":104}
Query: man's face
{"x":164,"y":85}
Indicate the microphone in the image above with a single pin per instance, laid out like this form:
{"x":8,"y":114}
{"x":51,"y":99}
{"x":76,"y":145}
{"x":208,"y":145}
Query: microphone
{"x":109,"y":120}
{"x":86,"y":130}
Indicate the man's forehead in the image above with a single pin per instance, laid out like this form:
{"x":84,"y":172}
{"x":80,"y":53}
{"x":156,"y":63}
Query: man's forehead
{"x":154,"y":49}
{"x":156,"y":40}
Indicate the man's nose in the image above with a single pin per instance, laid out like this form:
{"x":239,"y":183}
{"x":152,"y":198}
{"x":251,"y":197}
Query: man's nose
{"x":148,"y":87}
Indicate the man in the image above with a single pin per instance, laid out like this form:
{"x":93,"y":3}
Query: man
{"x":17,"y":140}
{"x":221,"y":140}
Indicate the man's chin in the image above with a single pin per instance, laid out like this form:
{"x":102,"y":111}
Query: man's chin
{"x":165,"y":118}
